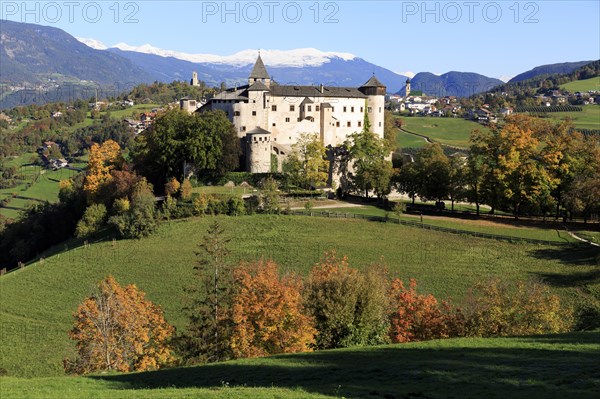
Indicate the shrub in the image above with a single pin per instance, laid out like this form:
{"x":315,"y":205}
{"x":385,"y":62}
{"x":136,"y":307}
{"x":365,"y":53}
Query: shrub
{"x":349,"y":307}
{"x":524,"y":308}
{"x":93,"y":218}
{"x":172,"y":187}
{"x":417,"y":317}
{"x":236,"y":206}
{"x":186,"y":190}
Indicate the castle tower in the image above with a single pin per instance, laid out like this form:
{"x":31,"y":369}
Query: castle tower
{"x":407,"y":93}
{"x":375,"y":92}
{"x":259,"y":73}
{"x":194,"y":81}
{"x":258,"y":151}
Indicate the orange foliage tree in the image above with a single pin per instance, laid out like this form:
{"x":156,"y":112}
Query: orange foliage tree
{"x":103,"y":159}
{"x":417,"y":317}
{"x":117,"y":328}
{"x":268,"y":313}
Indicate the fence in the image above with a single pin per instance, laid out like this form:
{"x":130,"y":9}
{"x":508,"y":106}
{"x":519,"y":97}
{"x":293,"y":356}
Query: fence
{"x":420,"y":225}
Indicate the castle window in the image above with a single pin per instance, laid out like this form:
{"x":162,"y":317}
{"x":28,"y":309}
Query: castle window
{"x":317,"y":108}
{"x":274,"y":124}
{"x":344,"y":109}
{"x":351,"y":109}
{"x":359,"y":123}
{"x":242,"y":128}
{"x":379,"y":109}
{"x":236,"y":113}
{"x":287,"y":119}
{"x":379,"y":124}
{"x":337,"y":124}
{"x":292,"y":108}
{"x":302,"y":108}
{"x":349,"y":124}
{"x":361,"y":109}
{"x":369,"y":109}
{"x":309,"y":108}
{"x":273,"y":107}
{"x":332,"y":109}
{"x":253,"y":113}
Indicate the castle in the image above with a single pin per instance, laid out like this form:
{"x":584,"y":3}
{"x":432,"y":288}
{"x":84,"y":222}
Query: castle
{"x":269,"y":117}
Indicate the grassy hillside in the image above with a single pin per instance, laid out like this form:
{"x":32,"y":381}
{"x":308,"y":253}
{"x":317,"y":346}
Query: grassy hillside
{"x":552,"y":366}
{"x":582,"y":85}
{"x":36,"y":302}
{"x":450,"y":131}
{"x":44,"y":185}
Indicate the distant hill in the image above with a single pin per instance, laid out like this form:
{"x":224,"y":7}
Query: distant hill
{"x":31,"y":54}
{"x":459,"y":84}
{"x":43,"y":64}
{"x":551,"y":69}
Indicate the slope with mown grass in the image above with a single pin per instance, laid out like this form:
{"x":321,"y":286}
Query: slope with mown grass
{"x":550,"y":366}
{"x":36,"y":302}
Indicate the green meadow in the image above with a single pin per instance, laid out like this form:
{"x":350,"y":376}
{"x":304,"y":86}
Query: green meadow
{"x":36,"y":302}
{"x":550,"y":366}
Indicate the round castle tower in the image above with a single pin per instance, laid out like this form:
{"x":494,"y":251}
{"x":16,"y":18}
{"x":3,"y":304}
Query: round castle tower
{"x":375,"y":92}
{"x":258,"y":151}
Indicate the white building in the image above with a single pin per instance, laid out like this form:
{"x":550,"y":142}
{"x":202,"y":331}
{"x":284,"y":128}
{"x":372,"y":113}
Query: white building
{"x":270,"y":117}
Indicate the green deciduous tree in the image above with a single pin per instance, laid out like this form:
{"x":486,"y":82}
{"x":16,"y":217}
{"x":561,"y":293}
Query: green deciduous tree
{"x":307,"y":164}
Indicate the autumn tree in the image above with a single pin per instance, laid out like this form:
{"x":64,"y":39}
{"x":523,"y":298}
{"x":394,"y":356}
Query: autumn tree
{"x":501,"y":308}
{"x":517,"y":175}
{"x":582,"y":190}
{"x":208,"y":302}
{"x":349,"y":307}
{"x":268,"y":314}
{"x":102,"y":160}
{"x":307,"y":165}
{"x":118,"y":329}
{"x":418,"y":317}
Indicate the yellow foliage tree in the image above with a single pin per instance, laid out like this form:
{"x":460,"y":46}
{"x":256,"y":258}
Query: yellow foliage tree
{"x":103,"y":159}
{"x":523,"y":308}
{"x":117,"y":328}
{"x":267,"y":312}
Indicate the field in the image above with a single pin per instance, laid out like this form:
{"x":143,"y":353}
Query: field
{"x":552,"y":366}
{"x":407,"y":140}
{"x":450,"y":131}
{"x":44,"y":187}
{"x":589,"y":118}
{"x":582,"y":85}
{"x":36,"y":302}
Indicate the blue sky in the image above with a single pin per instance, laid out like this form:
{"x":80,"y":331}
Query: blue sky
{"x":495,"y":38}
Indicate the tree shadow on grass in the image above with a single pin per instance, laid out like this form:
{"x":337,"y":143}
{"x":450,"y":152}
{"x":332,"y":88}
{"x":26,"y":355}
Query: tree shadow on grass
{"x":571,"y":255}
{"x":531,"y":369}
{"x":582,"y":256}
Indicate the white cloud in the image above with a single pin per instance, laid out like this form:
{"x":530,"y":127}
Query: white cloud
{"x":289,"y":58}
{"x":93,"y":43}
